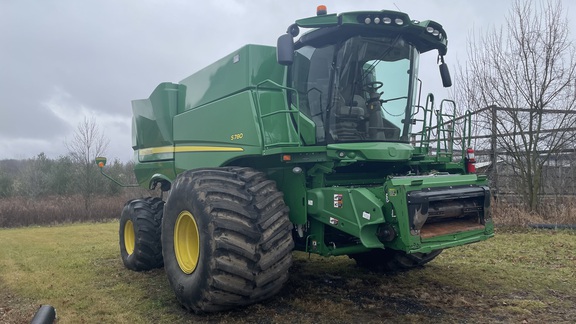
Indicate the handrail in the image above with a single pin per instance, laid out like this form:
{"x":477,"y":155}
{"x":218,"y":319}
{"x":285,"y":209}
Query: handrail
{"x":276,"y":86}
{"x":425,"y":132}
{"x":446,"y":129}
{"x":438,"y":131}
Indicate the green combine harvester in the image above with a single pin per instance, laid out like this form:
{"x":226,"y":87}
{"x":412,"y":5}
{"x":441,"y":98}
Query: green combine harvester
{"x":309,"y":146}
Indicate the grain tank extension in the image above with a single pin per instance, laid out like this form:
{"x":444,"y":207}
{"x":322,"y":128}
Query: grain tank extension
{"x":320,"y":144}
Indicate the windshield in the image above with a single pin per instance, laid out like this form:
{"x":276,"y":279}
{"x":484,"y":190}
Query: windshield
{"x":362,"y":89}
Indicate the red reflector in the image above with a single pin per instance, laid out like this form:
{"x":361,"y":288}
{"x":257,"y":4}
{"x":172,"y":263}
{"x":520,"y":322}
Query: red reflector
{"x":286,"y":157}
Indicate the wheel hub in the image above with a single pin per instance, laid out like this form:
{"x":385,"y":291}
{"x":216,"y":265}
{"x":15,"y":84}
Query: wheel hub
{"x":129,"y":237}
{"x":186,"y":242}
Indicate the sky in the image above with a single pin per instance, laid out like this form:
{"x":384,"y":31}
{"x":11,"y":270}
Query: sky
{"x":65,"y":60}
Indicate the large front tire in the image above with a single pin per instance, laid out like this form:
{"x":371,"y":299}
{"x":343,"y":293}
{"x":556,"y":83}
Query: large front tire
{"x":392,"y":260}
{"x":140,"y":225}
{"x":226,"y":238}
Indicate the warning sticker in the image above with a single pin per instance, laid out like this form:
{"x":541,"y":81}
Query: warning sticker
{"x":337,"y":200}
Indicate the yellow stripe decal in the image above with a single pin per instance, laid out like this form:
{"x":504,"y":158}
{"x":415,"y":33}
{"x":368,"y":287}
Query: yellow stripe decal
{"x":185,"y":149}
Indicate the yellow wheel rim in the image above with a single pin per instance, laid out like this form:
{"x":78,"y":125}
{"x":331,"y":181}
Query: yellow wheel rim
{"x":186,"y":242}
{"x":129,"y":237}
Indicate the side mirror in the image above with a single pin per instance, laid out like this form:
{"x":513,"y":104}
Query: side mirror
{"x":444,"y":73}
{"x":100,"y":161}
{"x":285,"y":50}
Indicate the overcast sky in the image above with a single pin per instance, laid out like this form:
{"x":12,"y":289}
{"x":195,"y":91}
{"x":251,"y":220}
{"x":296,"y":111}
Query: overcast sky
{"x":62,"y":60}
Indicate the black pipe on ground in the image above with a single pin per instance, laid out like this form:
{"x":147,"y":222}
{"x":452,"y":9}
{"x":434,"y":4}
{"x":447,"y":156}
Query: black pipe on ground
{"x":553,"y":226}
{"x":46,"y":314}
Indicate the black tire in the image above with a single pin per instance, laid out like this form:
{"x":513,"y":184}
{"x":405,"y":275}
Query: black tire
{"x":226,"y":238}
{"x":140,"y":234}
{"x":392,"y":260}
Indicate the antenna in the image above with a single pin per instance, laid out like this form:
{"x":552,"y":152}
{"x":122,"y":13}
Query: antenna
{"x":394,"y":3}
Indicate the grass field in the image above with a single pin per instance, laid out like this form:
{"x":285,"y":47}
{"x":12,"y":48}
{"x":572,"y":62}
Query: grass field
{"x":520,"y":275}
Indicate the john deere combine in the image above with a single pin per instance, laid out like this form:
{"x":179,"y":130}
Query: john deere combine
{"x":309,"y":146}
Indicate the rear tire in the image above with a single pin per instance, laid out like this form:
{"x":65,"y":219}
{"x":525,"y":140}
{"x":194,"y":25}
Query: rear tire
{"x":140,"y":226}
{"x":226,"y":238}
{"x":392,"y":260}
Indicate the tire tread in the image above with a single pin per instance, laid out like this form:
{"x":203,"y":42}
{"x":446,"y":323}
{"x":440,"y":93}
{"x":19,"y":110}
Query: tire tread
{"x":252,"y":240}
{"x":146,"y":215}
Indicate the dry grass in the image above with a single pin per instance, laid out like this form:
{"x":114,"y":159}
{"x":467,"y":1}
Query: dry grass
{"x":21,"y":211}
{"x":519,"y":276}
{"x":550,"y":211}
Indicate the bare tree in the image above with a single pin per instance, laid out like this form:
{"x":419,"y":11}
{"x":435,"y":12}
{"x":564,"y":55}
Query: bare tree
{"x":528,"y":69}
{"x":86,"y":144}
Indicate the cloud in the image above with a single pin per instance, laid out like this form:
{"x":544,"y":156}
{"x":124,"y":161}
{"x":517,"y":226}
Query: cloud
{"x":23,"y":148}
{"x":63,"y":59}
{"x":115,"y":127}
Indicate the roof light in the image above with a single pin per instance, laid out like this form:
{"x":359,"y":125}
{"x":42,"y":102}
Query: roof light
{"x":367,"y":20}
{"x":429,"y":29}
{"x":386,"y":20}
{"x":399,"y":21}
{"x":435,"y":32}
{"x":321,"y":10}
{"x":376,"y":20}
